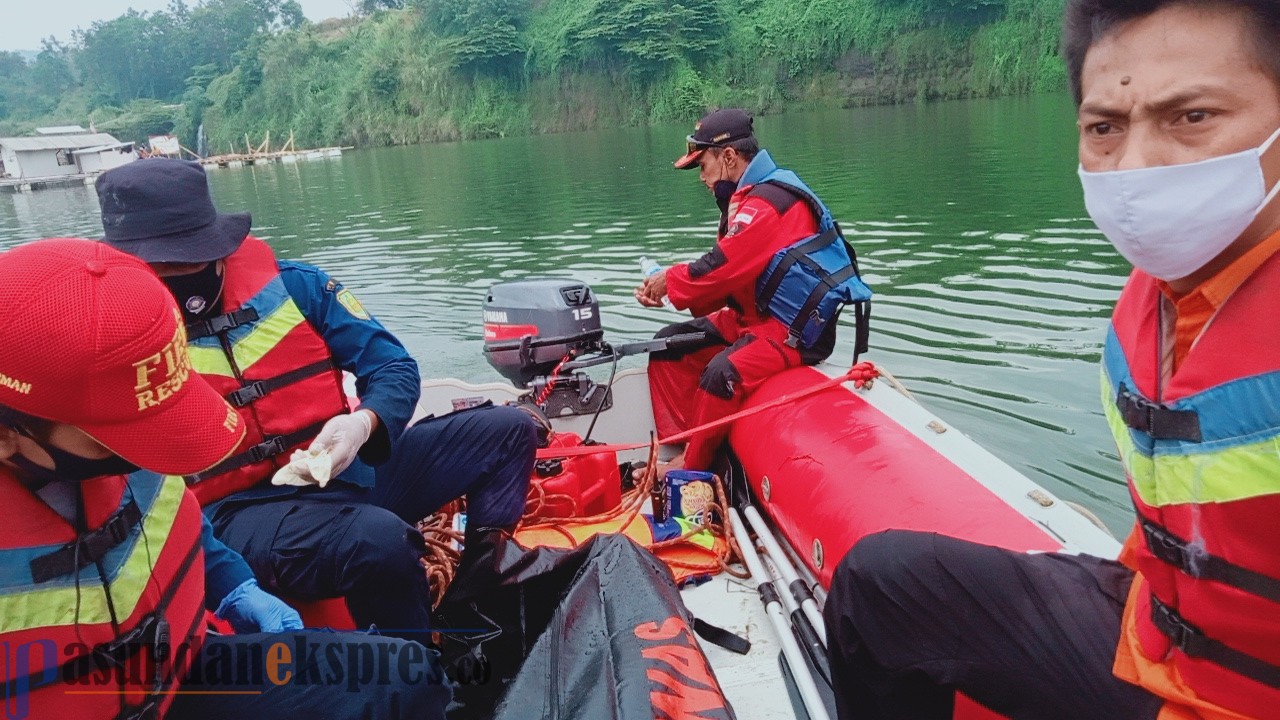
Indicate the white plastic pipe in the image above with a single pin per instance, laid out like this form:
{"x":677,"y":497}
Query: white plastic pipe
{"x":789,"y":603}
{"x":773,"y":608}
{"x":808,"y":605}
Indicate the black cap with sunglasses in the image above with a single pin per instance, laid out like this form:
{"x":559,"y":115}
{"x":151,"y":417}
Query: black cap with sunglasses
{"x":716,"y":129}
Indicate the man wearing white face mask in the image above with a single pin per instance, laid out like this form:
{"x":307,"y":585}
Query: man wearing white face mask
{"x":1179,"y":106}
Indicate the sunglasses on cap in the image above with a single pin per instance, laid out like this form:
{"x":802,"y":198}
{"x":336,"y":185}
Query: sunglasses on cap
{"x":693,"y":146}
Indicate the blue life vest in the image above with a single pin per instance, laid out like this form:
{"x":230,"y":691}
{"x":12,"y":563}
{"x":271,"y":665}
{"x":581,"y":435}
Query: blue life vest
{"x":807,"y":284}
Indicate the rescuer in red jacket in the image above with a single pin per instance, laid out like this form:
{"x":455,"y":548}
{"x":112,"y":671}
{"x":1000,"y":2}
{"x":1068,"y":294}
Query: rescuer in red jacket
{"x":698,"y":384}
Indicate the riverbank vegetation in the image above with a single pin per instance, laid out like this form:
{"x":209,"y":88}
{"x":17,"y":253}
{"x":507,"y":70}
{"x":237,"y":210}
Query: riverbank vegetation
{"x":409,"y":71}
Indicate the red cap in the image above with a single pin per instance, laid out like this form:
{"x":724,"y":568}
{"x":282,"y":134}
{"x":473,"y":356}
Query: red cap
{"x":90,"y":337}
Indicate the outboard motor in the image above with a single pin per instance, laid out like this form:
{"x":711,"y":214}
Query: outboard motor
{"x":531,"y":326}
{"x":540,"y":334}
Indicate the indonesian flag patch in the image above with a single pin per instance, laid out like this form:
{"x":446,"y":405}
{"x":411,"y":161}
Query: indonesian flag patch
{"x":741,"y":220}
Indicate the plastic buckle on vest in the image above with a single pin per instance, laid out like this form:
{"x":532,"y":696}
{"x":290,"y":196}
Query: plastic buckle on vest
{"x":1165,"y":546}
{"x":1172,"y":552}
{"x":160,"y":645}
{"x":215,"y":326}
{"x":116,"y":652}
{"x":1135,"y":411}
{"x":1179,"y":631}
{"x":267,"y":449}
{"x":1159,"y":421}
{"x":97,"y":543}
{"x":221,"y":323}
{"x":247,"y":394}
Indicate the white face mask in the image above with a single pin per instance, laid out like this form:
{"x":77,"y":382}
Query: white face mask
{"x":1171,"y":221}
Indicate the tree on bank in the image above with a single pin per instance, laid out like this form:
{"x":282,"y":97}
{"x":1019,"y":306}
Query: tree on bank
{"x":407,"y":71}
{"x":138,"y":57}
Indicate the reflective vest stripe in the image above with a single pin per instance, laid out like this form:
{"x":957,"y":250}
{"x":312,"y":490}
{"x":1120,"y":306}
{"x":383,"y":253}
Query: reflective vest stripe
{"x":1228,"y":413}
{"x":274,"y":365}
{"x":1203,"y":627}
{"x":1216,"y":475}
{"x":38,"y":607}
{"x":16,"y":563}
{"x":124,"y":647}
{"x":257,"y":304}
{"x":209,"y":359}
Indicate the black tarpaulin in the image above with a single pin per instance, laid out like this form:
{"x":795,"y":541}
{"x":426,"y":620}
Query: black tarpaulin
{"x":595,"y":633}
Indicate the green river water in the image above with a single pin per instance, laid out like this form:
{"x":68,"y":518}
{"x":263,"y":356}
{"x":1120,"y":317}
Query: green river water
{"x":993,"y":287}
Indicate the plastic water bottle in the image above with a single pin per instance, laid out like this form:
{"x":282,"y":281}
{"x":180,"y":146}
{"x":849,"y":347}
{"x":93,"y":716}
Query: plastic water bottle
{"x":649,"y":267}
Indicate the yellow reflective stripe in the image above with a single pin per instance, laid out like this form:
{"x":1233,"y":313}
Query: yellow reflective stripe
{"x":1236,"y":473}
{"x":265,"y":335}
{"x":209,"y":360}
{"x":57,"y":606}
{"x":704,"y":539}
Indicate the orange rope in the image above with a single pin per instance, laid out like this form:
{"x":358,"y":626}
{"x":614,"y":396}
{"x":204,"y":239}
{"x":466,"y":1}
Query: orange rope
{"x":632,"y":500}
{"x":441,"y":558}
{"x":538,"y":500}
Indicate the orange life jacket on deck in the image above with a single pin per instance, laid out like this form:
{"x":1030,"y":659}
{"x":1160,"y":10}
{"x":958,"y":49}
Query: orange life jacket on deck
{"x":691,"y":559}
{"x":1202,"y":628}
{"x":57,"y":611}
{"x":270,"y":364}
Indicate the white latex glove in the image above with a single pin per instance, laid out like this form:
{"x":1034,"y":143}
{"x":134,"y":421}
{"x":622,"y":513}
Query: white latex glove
{"x":306,"y":467}
{"x":343,"y":437}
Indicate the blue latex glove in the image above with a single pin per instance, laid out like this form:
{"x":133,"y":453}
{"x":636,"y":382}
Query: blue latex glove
{"x":249,"y":608}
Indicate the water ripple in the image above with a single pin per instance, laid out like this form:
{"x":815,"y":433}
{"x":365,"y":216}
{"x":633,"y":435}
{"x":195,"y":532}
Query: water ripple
{"x":993,"y":289}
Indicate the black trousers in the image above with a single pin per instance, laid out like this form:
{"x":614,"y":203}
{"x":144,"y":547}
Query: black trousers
{"x":362,"y":545}
{"x":323,"y":675}
{"x":914,"y":617}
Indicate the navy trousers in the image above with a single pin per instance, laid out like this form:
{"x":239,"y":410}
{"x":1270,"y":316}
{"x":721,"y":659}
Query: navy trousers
{"x":308,"y":675}
{"x":362,"y":544}
{"x":913,"y":617}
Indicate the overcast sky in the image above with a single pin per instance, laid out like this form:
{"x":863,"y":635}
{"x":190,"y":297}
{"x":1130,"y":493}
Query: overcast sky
{"x":24,"y":23}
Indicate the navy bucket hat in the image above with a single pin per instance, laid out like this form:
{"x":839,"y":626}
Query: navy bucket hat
{"x":160,"y":210}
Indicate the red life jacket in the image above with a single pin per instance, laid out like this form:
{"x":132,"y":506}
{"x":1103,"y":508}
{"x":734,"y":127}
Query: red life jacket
{"x":1203,"y":464}
{"x":56,"y":619}
{"x":270,"y":364}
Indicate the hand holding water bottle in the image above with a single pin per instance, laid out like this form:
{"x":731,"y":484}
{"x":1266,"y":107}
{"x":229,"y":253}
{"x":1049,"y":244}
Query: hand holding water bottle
{"x":650,"y":293}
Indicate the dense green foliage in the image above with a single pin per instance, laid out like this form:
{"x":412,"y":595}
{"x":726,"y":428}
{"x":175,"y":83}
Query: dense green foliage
{"x":420,"y":70}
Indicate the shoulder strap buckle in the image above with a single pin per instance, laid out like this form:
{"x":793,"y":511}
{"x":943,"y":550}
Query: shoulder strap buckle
{"x":221,"y":323}
{"x":88,"y":547}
